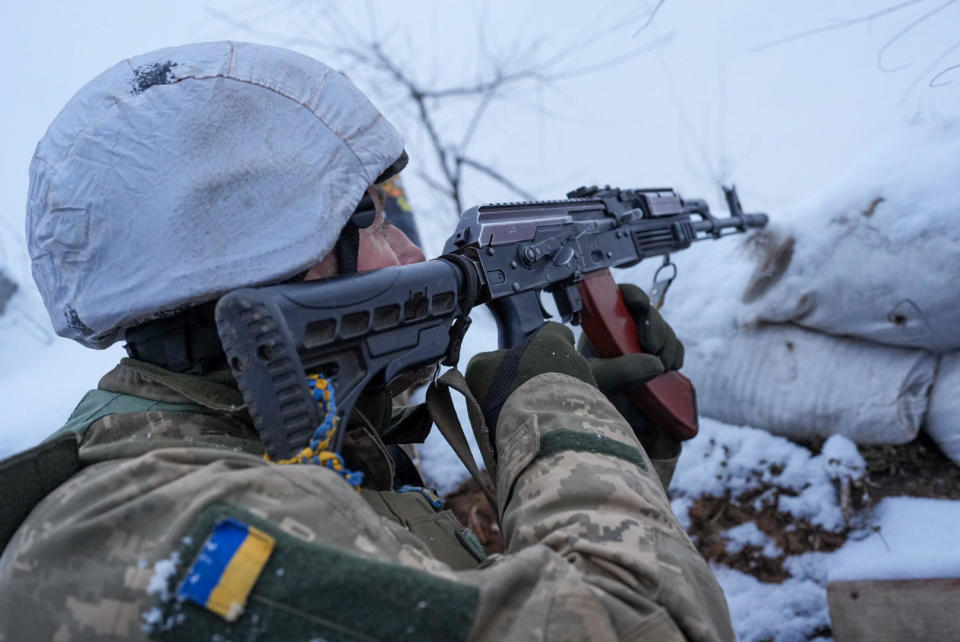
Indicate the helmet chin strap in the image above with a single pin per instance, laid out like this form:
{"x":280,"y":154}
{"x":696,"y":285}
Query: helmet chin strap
{"x":348,"y":245}
{"x":186,"y":342}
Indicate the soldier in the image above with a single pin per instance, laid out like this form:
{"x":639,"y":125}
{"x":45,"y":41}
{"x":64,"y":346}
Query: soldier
{"x":182,"y":174}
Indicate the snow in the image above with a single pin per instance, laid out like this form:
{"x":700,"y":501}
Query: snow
{"x":160,"y":580}
{"x":152,"y":618}
{"x":910,"y":538}
{"x":787,"y":612}
{"x":894,"y":547}
{"x":902,"y":538}
{"x":159,"y":585}
{"x":725,"y":459}
{"x":747,"y":534}
{"x":843,"y":460}
{"x":876,"y":251}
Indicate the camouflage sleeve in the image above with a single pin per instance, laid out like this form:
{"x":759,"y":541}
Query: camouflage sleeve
{"x":121,"y":550}
{"x":573,"y":478}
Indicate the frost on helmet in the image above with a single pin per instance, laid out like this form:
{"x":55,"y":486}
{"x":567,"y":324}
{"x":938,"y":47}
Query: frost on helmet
{"x":181,"y":174}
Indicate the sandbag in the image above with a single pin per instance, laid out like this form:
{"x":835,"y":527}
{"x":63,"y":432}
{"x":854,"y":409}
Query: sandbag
{"x":943,"y":418}
{"x":802,"y":384}
{"x":877,"y":255}
{"x":786,"y":379}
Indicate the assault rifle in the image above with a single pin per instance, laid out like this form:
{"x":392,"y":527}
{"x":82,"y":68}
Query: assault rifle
{"x":364,"y":331}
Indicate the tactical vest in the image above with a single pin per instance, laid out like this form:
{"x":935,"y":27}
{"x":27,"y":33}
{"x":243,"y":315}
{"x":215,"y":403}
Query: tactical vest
{"x":26,"y":478}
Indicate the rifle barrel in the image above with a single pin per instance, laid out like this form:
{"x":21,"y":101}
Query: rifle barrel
{"x":742,"y":223}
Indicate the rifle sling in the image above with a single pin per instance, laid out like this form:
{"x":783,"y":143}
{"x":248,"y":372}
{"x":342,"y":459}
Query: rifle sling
{"x":440,"y":405}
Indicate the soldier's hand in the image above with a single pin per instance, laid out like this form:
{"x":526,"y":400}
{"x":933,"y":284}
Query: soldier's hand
{"x":655,"y":335}
{"x":493,"y":376}
{"x":662,"y":351}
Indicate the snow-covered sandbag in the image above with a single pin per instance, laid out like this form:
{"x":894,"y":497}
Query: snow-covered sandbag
{"x":789,"y":380}
{"x":876,"y":255}
{"x":801,"y":384}
{"x":943,"y":418}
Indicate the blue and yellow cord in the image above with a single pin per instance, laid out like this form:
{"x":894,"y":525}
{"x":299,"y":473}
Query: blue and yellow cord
{"x":319,"y":450}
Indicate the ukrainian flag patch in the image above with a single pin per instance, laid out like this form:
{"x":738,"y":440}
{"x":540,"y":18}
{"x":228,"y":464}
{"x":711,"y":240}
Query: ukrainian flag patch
{"x":226,"y":568}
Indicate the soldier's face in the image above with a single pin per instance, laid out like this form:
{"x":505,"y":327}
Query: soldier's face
{"x":381,"y":245}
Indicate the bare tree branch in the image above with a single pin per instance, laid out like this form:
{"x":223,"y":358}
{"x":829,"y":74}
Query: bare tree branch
{"x":504,"y":73}
{"x":500,"y":178}
{"x":478,"y":114}
{"x":890,"y":42}
{"x":933,"y":65}
{"x":944,"y":72}
{"x":653,"y":14}
{"x":903,"y":32}
{"x":843,"y":24}
{"x":434,"y":184}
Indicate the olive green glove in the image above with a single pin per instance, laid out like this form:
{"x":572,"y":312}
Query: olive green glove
{"x":615,"y":376}
{"x":493,"y":376}
{"x":662,"y":350}
{"x":655,"y":335}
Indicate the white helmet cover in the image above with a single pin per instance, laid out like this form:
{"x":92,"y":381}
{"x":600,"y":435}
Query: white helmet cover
{"x":179,"y":175}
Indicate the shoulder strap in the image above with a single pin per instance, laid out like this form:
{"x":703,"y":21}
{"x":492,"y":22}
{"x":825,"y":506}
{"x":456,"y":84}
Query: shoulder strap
{"x":440,"y":405}
{"x":97,"y":404}
{"x":28,"y":477}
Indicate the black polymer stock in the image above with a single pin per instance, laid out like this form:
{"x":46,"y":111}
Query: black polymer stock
{"x":364,"y":331}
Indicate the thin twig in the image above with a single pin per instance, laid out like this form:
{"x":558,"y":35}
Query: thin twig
{"x":500,"y":178}
{"x":650,"y":17}
{"x":903,"y":32}
{"x":933,"y":81}
{"x":843,"y":24}
{"x":933,"y":65}
{"x":504,"y":74}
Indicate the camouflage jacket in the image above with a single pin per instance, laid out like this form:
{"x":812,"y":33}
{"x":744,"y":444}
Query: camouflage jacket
{"x":177,"y":528}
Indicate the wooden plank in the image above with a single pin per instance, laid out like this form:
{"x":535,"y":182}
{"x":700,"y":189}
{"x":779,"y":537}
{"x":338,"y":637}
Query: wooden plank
{"x":895,"y":610}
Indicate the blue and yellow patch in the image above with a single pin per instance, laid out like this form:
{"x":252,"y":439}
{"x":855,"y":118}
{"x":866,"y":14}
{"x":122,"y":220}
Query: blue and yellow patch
{"x":435,"y":500}
{"x":227,"y":567}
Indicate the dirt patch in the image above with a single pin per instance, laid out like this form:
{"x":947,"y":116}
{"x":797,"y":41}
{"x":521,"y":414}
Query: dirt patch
{"x":917,"y":469}
{"x":711,"y":517}
{"x":473,"y":510}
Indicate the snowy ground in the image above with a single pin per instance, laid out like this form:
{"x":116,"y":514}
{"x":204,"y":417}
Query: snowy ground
{"x":882,"y":543}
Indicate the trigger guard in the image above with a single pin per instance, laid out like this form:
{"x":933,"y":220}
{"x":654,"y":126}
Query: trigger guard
{"x":543,"y":310}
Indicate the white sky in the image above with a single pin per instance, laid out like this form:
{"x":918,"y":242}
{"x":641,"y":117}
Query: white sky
{"x":780,"y":122}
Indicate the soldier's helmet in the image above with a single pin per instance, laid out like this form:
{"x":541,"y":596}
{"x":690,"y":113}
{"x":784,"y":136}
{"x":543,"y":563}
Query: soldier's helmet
{"x":179,"y":175}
